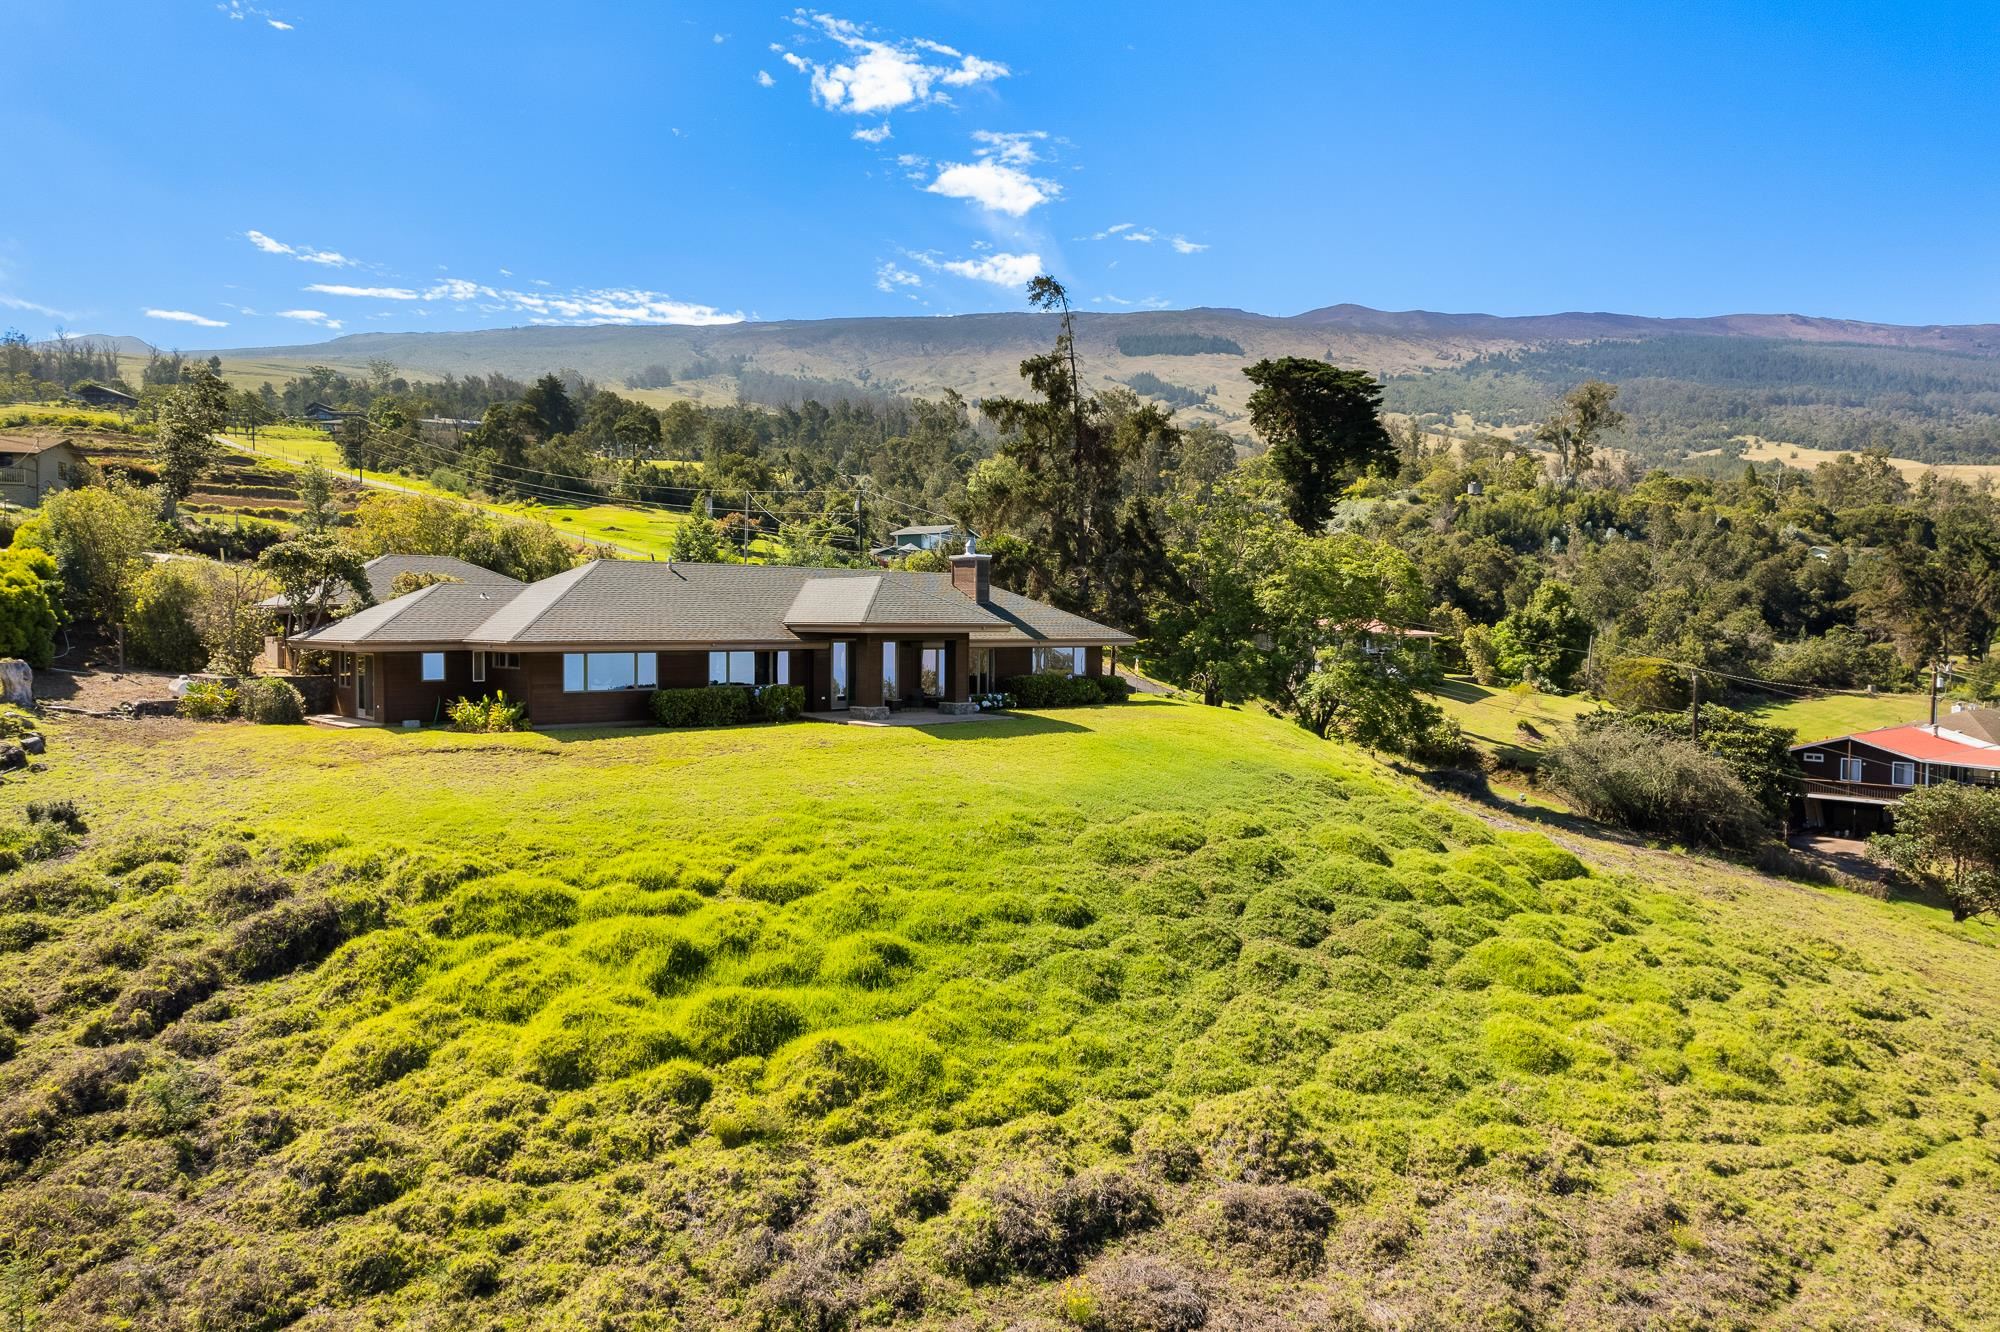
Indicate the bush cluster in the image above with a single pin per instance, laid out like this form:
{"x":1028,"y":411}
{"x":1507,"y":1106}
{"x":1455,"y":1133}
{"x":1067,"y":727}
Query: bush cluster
{"x":495,"y":712}
{"x":208,"y":701}
{"x":1632,"y":777}
{"x":728,"y":705}
{"x":1065,"y":691}
{"x":270,"y":702}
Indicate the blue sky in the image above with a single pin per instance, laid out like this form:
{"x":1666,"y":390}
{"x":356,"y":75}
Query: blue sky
{"x":237,"y":174}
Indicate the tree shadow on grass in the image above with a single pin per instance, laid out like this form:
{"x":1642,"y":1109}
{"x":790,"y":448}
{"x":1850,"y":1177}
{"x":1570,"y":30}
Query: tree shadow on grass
{"x":1008,"y":727}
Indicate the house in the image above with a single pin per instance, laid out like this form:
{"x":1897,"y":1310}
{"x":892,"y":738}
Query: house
{"x":97,"y":395}
{"x":33,"y":466}
{"x":1853,"y":783}
{"x":908,"y":540}
{"x":327,"y":418}
{"x":589,"y":646}
{"x":1375,"y":637}
{"x":382,"y":573}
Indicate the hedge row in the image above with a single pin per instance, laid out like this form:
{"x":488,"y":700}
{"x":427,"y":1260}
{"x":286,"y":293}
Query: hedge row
{"x":728,"y":705}
{"x":1064,"y":691}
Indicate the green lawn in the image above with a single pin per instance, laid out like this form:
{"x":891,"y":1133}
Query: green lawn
{"x":1075,"y":1016}
{"x":1493,"y":716}
{"x":1843,"y":714}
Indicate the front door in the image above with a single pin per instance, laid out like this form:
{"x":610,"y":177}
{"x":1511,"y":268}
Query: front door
{"x":364,"y":685}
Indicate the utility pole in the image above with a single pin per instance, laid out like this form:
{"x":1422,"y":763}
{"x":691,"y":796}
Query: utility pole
{"x":746,"y":525}
{"x":1694,"y":704}
{"x":1938,"y":669}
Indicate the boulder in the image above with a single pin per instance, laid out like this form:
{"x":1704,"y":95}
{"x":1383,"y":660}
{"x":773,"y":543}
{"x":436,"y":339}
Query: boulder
{"x":12,"y":755}
{"x":17,"y":682}
{"x":33,"y":743}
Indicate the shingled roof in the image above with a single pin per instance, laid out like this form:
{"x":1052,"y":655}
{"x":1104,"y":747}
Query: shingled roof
{"x":434,"y":617}
{"x":644,"y":604}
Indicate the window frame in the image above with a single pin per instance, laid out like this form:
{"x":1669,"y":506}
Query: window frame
{"x":645,"y":672}
{"x":1078,"y":661}
{"x":479,"y":668}
{"x":424,"y":667}
{"x":1812,"y":756}
{"x":1898,"y":768}
{"x":1851,"y":765}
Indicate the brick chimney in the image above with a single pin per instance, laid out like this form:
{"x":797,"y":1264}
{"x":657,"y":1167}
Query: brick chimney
{"x":972,"y":573}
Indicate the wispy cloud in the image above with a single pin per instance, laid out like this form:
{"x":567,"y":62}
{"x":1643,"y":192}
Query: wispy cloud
{"x":320,"y":317}
{"x":1143,"y":303}
{"x":187,"y":317}
{"x":1015,"y":148}
{"x":890,"y":277}
{"x":872,"y":134}
{"x":279,"y":24}
{"x":882,"y":72}
{"x":1001,"y":269}
{"x":764,"y":79}
{"x":600,"y":305}
{"x":240,"y":11}
{"x":1182,"y":245}
{"x":369,"y":293}
{"x":29,"y":307}
{"x":303,"y":253}
{"x":1132,"y":231}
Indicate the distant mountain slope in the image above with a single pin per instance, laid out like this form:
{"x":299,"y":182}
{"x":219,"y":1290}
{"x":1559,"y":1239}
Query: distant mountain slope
{"x":1930,"y":392}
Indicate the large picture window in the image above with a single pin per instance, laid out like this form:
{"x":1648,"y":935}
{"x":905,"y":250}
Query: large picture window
{"x":607,"y":672}
{"x":1058,"y":661}
{"x":738,"y":668}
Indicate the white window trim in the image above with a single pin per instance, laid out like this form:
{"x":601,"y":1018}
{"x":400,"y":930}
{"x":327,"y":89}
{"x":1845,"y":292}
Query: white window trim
{"x":1850,"y":765}
{"x":1814,"y":757}
{"x":1900,"y":770}
{"x":479,"y":668}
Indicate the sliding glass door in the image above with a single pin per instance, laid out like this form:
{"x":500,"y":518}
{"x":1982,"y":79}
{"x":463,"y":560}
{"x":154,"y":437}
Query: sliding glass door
{"x":839,"y":676}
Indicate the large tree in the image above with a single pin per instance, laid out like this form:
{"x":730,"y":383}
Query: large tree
{"x":99,"y":536}
{"x":1573,"y":429}
{"x":1323,"y":427}
{"x":185,"y":448}
{"x":314,"y":571}
{"x":1947,"y":838}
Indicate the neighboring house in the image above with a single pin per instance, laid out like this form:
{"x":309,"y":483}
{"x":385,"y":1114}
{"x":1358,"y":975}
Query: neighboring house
{"x":382,"y":572}
{"x":588,"y":646}
{"x":328,"y":418}
{"x":31,"y":467}
{"x":97,"y":395}
{"x":1852,"y":783}
{"x":1376,"y":637}
{"x":909,"y":540}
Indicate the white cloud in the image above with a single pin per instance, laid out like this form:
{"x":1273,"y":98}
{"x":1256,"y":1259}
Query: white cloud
{"x":875,"y":135}
{"x":1143,"y":237}
{"x":604,"y":305}
{"x":1013,"y":148}
{"x":279,"y":24}
{"x":885,"y":73}
{"x":372,"y":293}
{"x":303,"y":253}
{"x":889,"y":277}
{"x":1182,"y":245}
{"x":17,"y":303}
{"x":320,"y":317}
{"x":187,"y":317}
{"x":1144,"y":303}
{"x":720,"y":38}
{"x":764,"y":79}
{"x":1002,"y":270}
{"x":994,"y":186}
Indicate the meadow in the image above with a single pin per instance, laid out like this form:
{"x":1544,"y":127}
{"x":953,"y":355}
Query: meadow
{"x":1145,"y":1016}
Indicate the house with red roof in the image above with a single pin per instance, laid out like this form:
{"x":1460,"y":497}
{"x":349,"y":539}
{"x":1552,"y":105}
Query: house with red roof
{"x":1853,"y":783}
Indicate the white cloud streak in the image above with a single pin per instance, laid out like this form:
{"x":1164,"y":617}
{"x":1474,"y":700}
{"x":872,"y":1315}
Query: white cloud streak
{"x":891,"y":278}
{"x":884,"y":73}
{"x":29,"y":307}
{"x":187,"y":317}
{"x":1002,"y":270}
{"x":764,"y":79}
{"x":320,"y":317}
{"x":1182,"y":245}
{"x":305,"y":254}
{"x":601,"y":305}
{"x":876,"y":134}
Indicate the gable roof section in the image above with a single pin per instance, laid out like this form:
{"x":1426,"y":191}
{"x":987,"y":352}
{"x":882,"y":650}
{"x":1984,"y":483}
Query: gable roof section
{"x":438,"y":616}
{"x":27,"y":446}
{"x":634,"y":603}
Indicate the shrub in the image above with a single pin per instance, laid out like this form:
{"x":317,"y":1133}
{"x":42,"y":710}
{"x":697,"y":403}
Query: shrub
{"x":713,"y":705}
{"x":781,"y":703}
{"x":1065,"y":691}
{"x":1629,"y":776}
{"x":492,"y":713}
{"x":1533,"y":966}
{"x":208,"y":701}
{"x":62,"y":813}
{"x":160,"y":631}
{"x":1274,"y":1229}
{"x":271,"y":702}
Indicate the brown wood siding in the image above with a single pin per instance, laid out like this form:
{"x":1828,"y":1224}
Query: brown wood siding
{"x":1875,"y":763}
{"x":1012,"y":661}
{"x":402,"y":694}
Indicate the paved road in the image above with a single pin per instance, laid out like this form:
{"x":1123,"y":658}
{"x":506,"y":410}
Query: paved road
{"x":370,"y":481}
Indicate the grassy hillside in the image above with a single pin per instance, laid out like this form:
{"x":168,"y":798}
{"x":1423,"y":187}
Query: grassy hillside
{"x":1130,"y":1017}
{"x":1842,"y":714}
